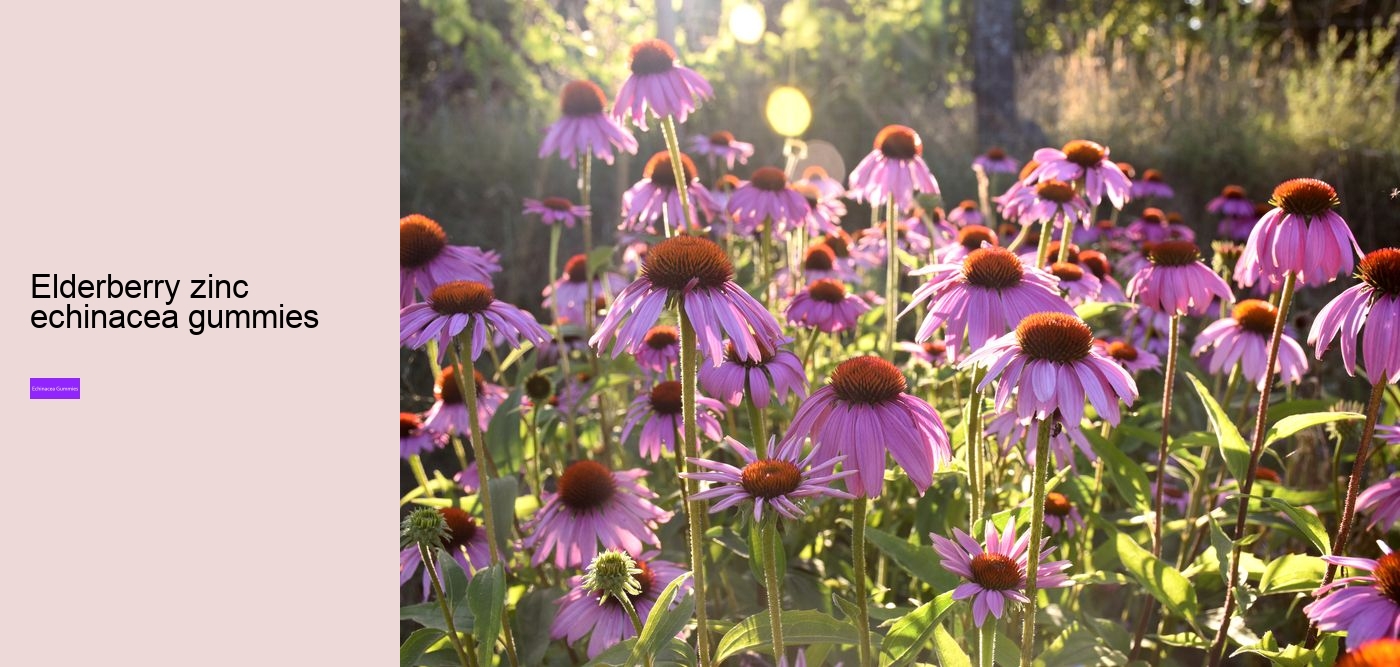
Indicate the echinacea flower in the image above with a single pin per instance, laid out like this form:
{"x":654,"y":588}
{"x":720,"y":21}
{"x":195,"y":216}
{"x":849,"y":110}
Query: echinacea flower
{"x":594,"y":505}
{"x":1151,"y":185}
{"x":777,"y":372}
{"x":1017,"y":195}
{"x":1097,"y":263}
{"x":1243,"y":338}
{"x":658,"y":413}
{"x":1301,"y":234}
{"x":995,"y":161}
{"x":413,"y":438}
{"x":449,"y":414}
{"x":1388,"y":433}
{"x":829,"y":187}
{"x":656,"y":199}
{"x":825,"y":305}
{"x":863,"y":413}
{"x":1055,"y":202}
{"x":660,"y":85}
{"x":1131,"y":358}
{"x":1051,"y":358}
{"x":1087,"y":160}
{"x":909,"y":237}
{"x":426,"y":261}
{"x":966,"y":213}
{"x":1375,"y":653}
{"x":1368,"y":313}
{"x":1382,"y":501}
{"x":722,"y":145}
{"x":1176,"y":282}
{"x":1061,"y":515}
{"x":1366,"y":606}
{"x":1079,"y":286}
{"x":660,"y":349}
{"x":997,"y":572}
{"x":983,"y":296}
{"x":766,"y":200}
{"x":465,"y":543}
{"x":583,"y":127}
{"x":555,"y":210}
{"x":824,"y":213}
{"x":970,"y":237}
{"x":585,"y":613}
{"x":698,"y":276}
{"x":456,"y":306}
{"x":894,"y":170}
{"x":781,"y":481}
{"x":1232,"y":203}
{"x":571,"y":290}
{"x":819,"y":262}
{"x":932,"y":352}
{"x":1155,"y":226}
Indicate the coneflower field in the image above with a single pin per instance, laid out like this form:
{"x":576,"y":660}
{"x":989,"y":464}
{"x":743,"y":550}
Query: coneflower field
{"x":776,"y":415}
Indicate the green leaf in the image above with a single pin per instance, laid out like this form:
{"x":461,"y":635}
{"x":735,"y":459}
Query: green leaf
{"x":1161,"y":580}
{"x":502,"y":435}
{"x":1128,"y":477}
{"x":1292,"y":573}
{"x":1233,"y":448}
{"x":665,"y":621}
{"x":946,"y":646}
{"x":503,"y":491}
{"x":755,"y":546}
{"x":910,"y":633}
{"x":847,"y":607}
{"x":799,"y":627}
{"x":486,"y":596}
{"x":533,"y":615}
{"x":1290,"y":425}
{"x":1307,"y":522}
{"x":917,"y":560}
{"x":1185,"y":640}
{"x":1223,"y":548}
{"x":674,"y":652}
{"x":1295,"y":655}
{"x":1092,"y":309}
{"x":418,"y":644}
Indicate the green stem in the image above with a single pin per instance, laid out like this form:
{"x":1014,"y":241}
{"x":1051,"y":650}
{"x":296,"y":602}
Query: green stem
{"x":415,"y":462}
{"x":1358,"y":473}
{"x":861,"y":504}
{"x":987,"y":643}
{"x":757,"y":427}
{"x":673,"y":147}
{"x":555,"y":231}
{"x":468,"y":388}
{"x":891,"y":278}
{"x":585,"y":192}
{"x":975,"y":457}
{"x":1042,"y":462}
{"x":1217,"y":649}
{"x":1042,"y":251}
{"x":1173,"y":341}
{"x":689,"y":443}
{"x":428,"y":562}
{"x":631,"y":610}
{"x":773,"y":583}
{"x":1066,"y":237}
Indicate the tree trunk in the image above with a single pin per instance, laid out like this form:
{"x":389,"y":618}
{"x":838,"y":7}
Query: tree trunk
{"x":994,"y":71}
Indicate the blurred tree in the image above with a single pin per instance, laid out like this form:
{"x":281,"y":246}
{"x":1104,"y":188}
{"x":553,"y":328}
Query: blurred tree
{"x":994,"y":71}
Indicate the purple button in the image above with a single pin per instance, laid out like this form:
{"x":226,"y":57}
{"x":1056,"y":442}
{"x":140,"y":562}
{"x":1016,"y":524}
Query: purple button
{"x":54,"y":388}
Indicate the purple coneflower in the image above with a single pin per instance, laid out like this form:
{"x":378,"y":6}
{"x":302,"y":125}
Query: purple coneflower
{"x":449,"y":414}
{"x":1051,"y":357}
{"x":995,"y":161}
{"x":818,"y":262}
{"x":1012,"y":202}
{"x":830,"y":188}
{"x":426,"y":261}
{"x":453,"y":307}
{"x":1301,"y":234}
{"x":658,"y":412}
{"x":966,"y":213}
{"x":1061,"y":514}
{"x":780,"y":481}
{"x":1375,"y":653}
{"x":1054,"y":202}
{"x":697,"y":274}
{"x":722,"y":145}
{"x":553,"y":210}
{"x":1177,"y":282}
{"x":594,"y":505}
{"x":413,"y":438}
{"x":465,"y":543}
{"x":659,"y":84}
{"x":1155,"y":226}
{"x":970,"y":237}
{"x":1382,"y":501}
{"x":766,"y":198}
{"x":1097,"y":263}
{"x":1079,"y":286}
{"x":1373,"y":304}
{"x":932,"y":352}
{"x":1369,"y":610}
{"x":864,"y":412}
{"x":1131,"y":358}
{"x":825,"y":305}
{"x":996,"y":572}
{"x":660,"y":350}
{"x":656,"y":199}
{"x":909,"y":237}
{"x":1151,"y":185}
{"x":1232,"y":203}
{"x":584,"y":613}
{"x":572,"y":289}
{"x":720,"y":193}
{"x":583,"y":127}
{"x":983,"y":296}
{"x":894,"y":170}
{"x":779,"y":372}
{"x":1389,"y":434}
{"x":825,"y":213}
{"x":1089,"y":161}
{"x":1243,"y":338}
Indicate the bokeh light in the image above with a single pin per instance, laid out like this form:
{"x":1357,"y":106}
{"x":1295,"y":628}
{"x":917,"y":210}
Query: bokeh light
{"x":788,"y":111}
{"x":746,"y":21}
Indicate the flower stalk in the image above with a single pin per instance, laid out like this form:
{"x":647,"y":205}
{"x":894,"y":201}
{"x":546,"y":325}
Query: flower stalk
{"x":1042,"y":462}
{"x":690,"y":357}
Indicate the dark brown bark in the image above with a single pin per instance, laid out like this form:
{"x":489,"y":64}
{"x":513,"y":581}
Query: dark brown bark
{"x":994,"y":71}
